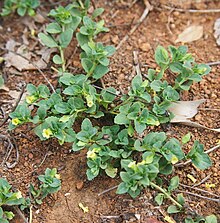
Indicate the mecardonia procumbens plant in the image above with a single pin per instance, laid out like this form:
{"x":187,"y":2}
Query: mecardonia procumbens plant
{"x":114,"y":149}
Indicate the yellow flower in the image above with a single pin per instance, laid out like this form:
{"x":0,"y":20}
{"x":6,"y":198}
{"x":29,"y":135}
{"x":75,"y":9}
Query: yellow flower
{"x":158,"y":69}
{"x":89,"y":100}
{"x":174,"y":159}
{"x":18,"y":195}
{"x":91,"y":155}
{"x":132,"y":165}
{"x":208,"y":186}
{"x":30,"y":99}
{"x":47,"y":133}
{"x":57,"y":176}
{"x":85,"y":209}
{"x":15,"y":121}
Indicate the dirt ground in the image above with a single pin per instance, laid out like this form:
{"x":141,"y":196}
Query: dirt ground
{"x":161,"y":26}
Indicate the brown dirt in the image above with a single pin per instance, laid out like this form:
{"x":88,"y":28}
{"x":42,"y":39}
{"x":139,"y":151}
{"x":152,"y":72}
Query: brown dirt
{"x":63,"y":206}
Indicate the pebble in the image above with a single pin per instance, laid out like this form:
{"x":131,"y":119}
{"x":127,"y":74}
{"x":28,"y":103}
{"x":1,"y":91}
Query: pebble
{"x":26,"y":164}
{"x":79,"y":185}
{"x":176,"y":13}
{"x":145,"y":47}
{"x":30,"y":155}
{"x":172,"y":26}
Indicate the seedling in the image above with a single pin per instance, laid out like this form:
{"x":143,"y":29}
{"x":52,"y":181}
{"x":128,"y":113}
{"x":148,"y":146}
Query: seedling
{"x":22,"y":7}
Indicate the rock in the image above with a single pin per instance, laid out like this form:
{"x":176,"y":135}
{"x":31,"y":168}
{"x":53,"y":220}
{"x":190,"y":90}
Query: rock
{"x":79,"y":185}
{"x":30,"y":155}
{"x":115,"y":39}
{"x":145,"y":47}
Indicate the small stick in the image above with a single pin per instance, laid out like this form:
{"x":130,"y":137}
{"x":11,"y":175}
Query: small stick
{"x":202,"y":181}
{"x":17,"y":102}
{"x":100,"y":88}
{"x":109,"y":189}
{"x":198,"y":189}
{"x":189,"y":161}
{"x":209,"y":109}
{"x":136,"y":63}
{"x":31,"y":215}
{"x":201,"y":196}
{"x":191,"y":10}
{"x":20,"y":214}
{"x":143,"y":16}
{"x":213,"y":63}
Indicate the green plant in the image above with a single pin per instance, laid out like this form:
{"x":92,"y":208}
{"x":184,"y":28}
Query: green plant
{"x":8,"y":198}
{"x":49,"y":183}
{"x":115,"y":148}
{"x":20,"y":6}
{"x":207,"y":219}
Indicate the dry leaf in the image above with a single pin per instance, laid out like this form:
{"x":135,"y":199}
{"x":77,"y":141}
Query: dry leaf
{"x":217,"y":31}
{"x":191,"y":33}
{"x":184,"y":110}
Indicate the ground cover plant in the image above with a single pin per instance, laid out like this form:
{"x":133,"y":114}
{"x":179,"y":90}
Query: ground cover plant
{"x":119,"y":148}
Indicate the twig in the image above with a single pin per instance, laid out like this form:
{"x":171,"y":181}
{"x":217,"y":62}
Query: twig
{"x":110,"y":92}
{"x":20,"y":214}
{"x":31,"y":215}
{"x":209,"y":109}
{"x":136,"y":63}
{"x":213,"y":63}
{"x":198,"y":189}
{"x":106,"y":191}
{"x":143,"y":16}
{"x":189,"y":161}
{"x":17,"y":156}
{"x":16,"y":104}
{"x":190,"y":10}
{"x":202,"y":181}
{"x":40,"y":71}
{"x":198,"y":195}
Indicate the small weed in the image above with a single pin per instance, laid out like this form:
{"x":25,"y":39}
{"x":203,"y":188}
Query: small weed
{"x":22,"y":7}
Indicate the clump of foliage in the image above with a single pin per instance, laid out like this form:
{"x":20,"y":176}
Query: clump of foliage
{"x":114,"y":149}
{"x":22,"y":7}
{"x":8,"y":198}
{"x":49,"y":183}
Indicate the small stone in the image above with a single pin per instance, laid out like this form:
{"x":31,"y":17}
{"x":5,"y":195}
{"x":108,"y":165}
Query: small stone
{"x":145,"y":47}
{"x":115,"y":39}
{"x":26,"y":164}
{"x":30,"y":155}
{"x":172,"y":26}
{"x":176,"y":13}
{"x":79,"y":185}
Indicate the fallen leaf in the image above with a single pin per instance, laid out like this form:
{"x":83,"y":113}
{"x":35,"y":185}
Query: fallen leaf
{"x":217,"y":31}
{"x":184,"y":110}
{"x":190,"y":34}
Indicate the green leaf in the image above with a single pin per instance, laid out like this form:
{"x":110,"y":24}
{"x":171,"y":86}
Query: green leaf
{"x":97,"y":12}
{"x":211,"y":219}
{"x":21,"y":11}
{"x":1,"y":81}
{"x":62,"y":108}
{"x":161,"y":56}
{"x":65,"y":38}
{"x":107,"y":96}
{"x":111,"y":172}
{"x":174,"y":183}
{"x":159,"y":198}
{"x":121,"y":119}
{"x":54,"y":28}
{"x":186,"y":138}
{"x":47,"y":40}
{"x":57,"y":59}
{"x":100,"y":71}
{"x":87,"y":64}
{"x":180,"y":199}
{"x":172,"y":209}
{"x":82,"y":39}
{"x":122,"y":188}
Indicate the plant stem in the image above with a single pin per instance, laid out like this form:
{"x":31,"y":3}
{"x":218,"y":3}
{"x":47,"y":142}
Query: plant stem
{"x":167,"y":195}
{"x":30,"y":220}
{"x":63,"y":59}
{"x":92,"y":69}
